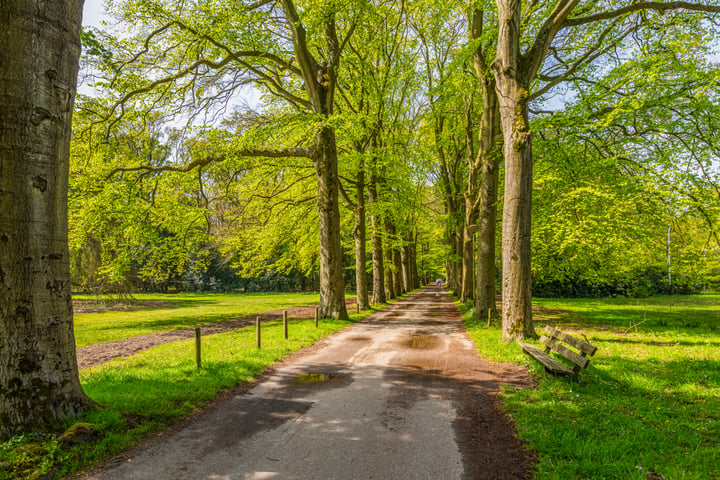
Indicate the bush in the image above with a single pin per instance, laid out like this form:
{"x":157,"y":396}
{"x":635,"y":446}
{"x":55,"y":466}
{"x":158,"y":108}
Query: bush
{"x":639,"y":283}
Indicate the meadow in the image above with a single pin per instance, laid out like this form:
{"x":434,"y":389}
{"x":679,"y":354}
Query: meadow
{"x":648,"y":402}
{"x":151,"y":313}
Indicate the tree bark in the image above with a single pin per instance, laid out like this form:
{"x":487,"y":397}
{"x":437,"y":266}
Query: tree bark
{"x":332,"y":292}
{"x":417,"y":282}
{"x":512,"y":89}
{"x":405,"y":260}
{"x":389,"y":266}
{"x":39,"y":52}
{"x":470,"y":208}
{"x":360,"y":242}
{"x":397,"y":283}
{"x":454,"y":262}
{"x":490,"y":152}
{"x":378,"y":266}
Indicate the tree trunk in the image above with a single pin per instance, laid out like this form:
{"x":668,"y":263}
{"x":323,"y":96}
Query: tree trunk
{"x":332,"y":294}
{"x":405,"y":260}
{"x":491,"y":155}
{"x":395,"y":258}
{"x":470,"y":209}
{"x":378,"y":266}
{"x":389,"y":265}
{"x":389,"y":285}
{"x":454,"y":263}
{"x":39,"y":383}
{"x":467,"y":269}
{"x":513,"y":97}
{"x":361,"y":284}
{"x":417,"y":282}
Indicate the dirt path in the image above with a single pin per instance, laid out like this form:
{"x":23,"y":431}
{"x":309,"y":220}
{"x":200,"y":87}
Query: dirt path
{"x":402,"y":395}
{"x":99,"y":353}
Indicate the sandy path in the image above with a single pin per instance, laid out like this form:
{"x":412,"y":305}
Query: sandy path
{"x":402,"y":395}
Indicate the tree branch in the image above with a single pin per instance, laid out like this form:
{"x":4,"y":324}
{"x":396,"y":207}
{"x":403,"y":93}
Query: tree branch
{"x":306,"y":152}
{"x":657,"y":6}
{"x":553,"y":23}
{"x":591,"y":54}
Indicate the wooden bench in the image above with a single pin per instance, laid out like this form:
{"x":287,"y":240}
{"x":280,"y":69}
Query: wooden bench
{"x":552,"y":341}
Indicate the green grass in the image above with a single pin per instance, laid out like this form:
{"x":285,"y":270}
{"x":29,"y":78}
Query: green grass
{"x":147,"y":392}
{"x":650,"y":399}
{"x":174,"y":311}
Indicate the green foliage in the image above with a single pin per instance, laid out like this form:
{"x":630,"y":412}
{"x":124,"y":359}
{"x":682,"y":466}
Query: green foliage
{"x":649,"y":399}
{"x":630,"y":158}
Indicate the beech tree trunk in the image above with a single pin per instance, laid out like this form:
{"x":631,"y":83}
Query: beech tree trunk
{"x":405,"y":260}
{"x":512,"y":87}
{"x":467,"y":266}
{"x":454,"y":263}
{"x":397,"y":283}
{"x":417,"y":282}
{"x":378,"y":266}
{"x":389,"y":284}
{"x":332,"y":292}
{"x":39,"y":52}
{"x":490,"y":152}
{"x":360,"y":242}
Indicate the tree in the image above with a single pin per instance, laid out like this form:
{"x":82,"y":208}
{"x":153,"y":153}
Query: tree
{"x":291,"y":52}
{"x":40,"y":45}
{"x":525,"y":39}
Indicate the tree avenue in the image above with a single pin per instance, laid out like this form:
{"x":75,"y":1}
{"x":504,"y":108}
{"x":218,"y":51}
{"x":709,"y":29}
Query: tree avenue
{"x":564,"y":147}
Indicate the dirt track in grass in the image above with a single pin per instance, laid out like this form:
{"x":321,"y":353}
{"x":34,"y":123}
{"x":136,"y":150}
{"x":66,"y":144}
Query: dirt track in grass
{"x":99,"y":353}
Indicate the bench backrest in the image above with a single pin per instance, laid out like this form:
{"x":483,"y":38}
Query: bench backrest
{"x":552,"y":339}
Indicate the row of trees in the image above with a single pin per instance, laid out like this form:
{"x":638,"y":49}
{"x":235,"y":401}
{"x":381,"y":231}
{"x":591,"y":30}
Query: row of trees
{"x":398,"y":134}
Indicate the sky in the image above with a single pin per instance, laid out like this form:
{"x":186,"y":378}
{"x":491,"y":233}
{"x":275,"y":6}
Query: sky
{"x":93,"y":12}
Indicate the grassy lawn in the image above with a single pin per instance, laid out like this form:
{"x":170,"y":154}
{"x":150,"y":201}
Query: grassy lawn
{"x":649,"y":401}
{"x":144,"y":393}
{"x":158,"y":312}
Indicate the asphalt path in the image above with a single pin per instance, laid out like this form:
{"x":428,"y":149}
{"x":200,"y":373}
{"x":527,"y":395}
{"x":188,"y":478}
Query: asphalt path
{"x":402,"y":395}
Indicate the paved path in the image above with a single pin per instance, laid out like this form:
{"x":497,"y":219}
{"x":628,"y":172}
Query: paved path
{"x":400,"y":396}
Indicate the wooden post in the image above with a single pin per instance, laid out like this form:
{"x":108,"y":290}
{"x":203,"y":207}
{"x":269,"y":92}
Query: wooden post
{"x":317,"y":316}
{"x":285,"y":324}
{"x":358,"y":307}
{"x":257,"y":331}
{"x":489,"y":316}
{"x":198,"y":354}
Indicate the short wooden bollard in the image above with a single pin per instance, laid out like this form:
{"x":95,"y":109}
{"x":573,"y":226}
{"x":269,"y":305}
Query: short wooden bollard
{"x":317,"y":316}
{"x":358,"y":307}
{"x":257,"y":331}
{"x":198,"y":354}
{"x":489,"y":316}
{"x":285,"y":324}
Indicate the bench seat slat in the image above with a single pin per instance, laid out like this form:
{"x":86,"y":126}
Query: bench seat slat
{"x":547,"y":361}
{"x":561,"y":349}
{"x":582,"y":346}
